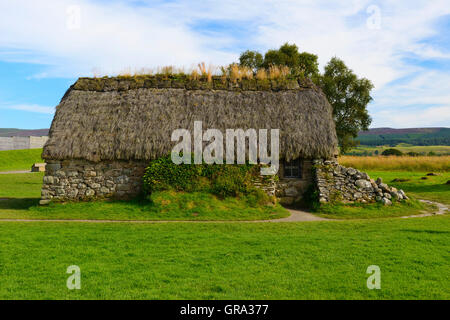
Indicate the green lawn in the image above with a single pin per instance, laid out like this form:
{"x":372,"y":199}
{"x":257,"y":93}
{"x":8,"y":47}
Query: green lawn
{"x":12,"y":160}
{"x":433,"y":188}
{"x":21,"y":185}
{"x":373,"y":210}
{"x":315,"y":260}
{"x":23,"y":191}
{"x":311,"y":260}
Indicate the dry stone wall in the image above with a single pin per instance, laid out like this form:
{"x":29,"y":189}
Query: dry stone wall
{"x":72,"y":180}
{"x":291,"y":190}
{"x":337,"y":183}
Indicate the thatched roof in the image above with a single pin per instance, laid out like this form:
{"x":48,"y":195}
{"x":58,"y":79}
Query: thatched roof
{"x":99,"y":121}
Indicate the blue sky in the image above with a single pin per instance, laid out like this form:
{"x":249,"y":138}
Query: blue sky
{"x":402,"y":46}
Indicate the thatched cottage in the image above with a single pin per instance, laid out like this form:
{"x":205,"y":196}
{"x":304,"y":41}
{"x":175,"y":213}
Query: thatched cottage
{"x":105,"y":131}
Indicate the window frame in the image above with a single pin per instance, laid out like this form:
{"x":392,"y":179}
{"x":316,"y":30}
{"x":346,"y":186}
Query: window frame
{"x":289,"y":168}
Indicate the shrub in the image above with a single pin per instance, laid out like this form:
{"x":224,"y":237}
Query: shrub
{"x":163,"y":174}
{"x":413,"y":154}
{"x":223,"y":180}
{"x":311,"y":198}
{"x":257,"y":197}
{"x":391,"y":152}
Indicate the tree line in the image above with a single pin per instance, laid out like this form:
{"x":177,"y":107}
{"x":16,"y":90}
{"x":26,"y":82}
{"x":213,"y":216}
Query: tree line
{"x":348,"y":94}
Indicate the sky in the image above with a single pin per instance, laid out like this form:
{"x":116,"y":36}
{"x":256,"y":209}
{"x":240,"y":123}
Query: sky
{"x":403,"y":47}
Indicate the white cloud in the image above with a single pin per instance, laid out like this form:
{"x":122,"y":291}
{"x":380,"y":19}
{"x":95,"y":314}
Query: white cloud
{"x":114,"y":35}
{"x":439,"y":116}
{"x":31,"y":108}
{"x":422,"y":100}
{"x":110,"y":37}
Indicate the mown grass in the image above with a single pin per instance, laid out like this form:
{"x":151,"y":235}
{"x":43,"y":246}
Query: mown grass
{"x":24,"y":191}
{"x":373,"y":210}
{"x":316,"y":260}
{"x":21,"y":185}
{"x":393,"y":163}
{"x":11,"y":160}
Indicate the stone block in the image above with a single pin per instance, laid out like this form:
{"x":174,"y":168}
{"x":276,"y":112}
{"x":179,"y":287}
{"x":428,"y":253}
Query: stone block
{"x":49,"y":179}
{"x":361,"y":183}
{"x":291,"y":192}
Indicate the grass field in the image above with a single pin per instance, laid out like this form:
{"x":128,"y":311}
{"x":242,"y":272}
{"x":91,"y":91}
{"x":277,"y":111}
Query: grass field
{"x":317,"y":260}
{"x":433,"y":188}
{"x":373,"y":210}
{"x":23,"y":191}
{"x":393,"y":163}
{"x":11,"y":160}
{"x":309,"y":260}
{"x":403,"y":147}
{"x":21,"y":185}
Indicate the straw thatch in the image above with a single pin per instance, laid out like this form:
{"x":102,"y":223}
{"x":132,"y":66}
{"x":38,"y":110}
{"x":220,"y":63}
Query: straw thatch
{"x":136,"y":124}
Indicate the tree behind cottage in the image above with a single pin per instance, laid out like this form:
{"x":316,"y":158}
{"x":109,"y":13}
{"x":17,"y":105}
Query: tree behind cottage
{"x":348,"y":94}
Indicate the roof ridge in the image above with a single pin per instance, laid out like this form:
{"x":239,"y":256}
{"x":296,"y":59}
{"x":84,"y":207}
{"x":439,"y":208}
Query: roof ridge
{"x":123,"y":83}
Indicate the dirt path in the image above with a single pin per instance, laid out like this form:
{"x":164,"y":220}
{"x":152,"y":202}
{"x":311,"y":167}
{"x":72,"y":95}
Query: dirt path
{"x":295,"y":216}
{"x":442,"y":209}
{"x":11,"y":172}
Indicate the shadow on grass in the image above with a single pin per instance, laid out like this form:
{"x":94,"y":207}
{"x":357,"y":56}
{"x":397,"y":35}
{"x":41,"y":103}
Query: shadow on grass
{"x":425,"y":231}
{"x":18,"y":204}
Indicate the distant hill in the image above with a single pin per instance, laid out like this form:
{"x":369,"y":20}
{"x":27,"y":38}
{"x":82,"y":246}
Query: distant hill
{"x":413,"y":136}
{"x":10,"y":132}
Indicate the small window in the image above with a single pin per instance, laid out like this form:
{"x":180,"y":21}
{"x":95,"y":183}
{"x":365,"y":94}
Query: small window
{"x":292,"y":169}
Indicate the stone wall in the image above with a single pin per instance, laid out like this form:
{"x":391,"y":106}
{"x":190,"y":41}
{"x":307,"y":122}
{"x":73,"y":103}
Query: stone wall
{"x":291,"y":190}
{"x":266,"y":183}
{"x":337,"y":183}
{"x":18,"y":143}
{"x":72,"y":180}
